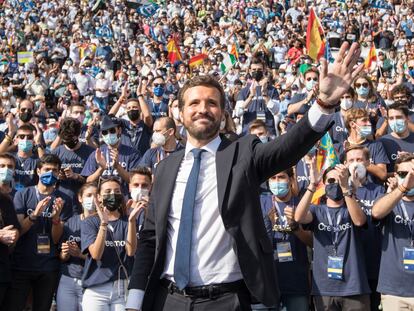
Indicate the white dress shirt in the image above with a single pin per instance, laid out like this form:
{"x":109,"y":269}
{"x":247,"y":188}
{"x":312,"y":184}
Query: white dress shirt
{"x":213,"y":259}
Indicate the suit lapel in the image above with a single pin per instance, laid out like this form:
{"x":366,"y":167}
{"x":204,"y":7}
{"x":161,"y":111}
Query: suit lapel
{"x":168,"y":176}
{"x":224,"y":160}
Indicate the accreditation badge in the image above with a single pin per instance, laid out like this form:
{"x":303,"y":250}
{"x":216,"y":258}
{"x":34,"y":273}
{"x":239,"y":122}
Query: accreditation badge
{"x":408,"y":259}
{"x":43,"y":244}
{"x":335,"y":267}
{"x":284,"y":252}
{"x":260,"y":115}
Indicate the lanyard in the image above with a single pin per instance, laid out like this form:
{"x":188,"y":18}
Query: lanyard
{"x":282,"y":217}
{"x":335,"y":228}
{"x":341,"y":118}
{"x":409,"y":221}
{"x":305,"y":170}
{"x":108,"y":162}
{"x":47,"y":208}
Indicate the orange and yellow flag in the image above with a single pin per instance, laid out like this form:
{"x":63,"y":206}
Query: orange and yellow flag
{"x":315,"y":43}
{"x":174,"y":53}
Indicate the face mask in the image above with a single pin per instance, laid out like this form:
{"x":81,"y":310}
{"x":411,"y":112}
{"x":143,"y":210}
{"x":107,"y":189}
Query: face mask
{"x":410,"y":192}
{"x":176,"y":113}
{"x":411,"y":73}
{"x":279,"y":189}
{"x":398,"y":126}
{"x":257,"y":75}
{"x":71,"y":143}
{"x":133,"y":115}
{"x":310,"y":84}
{"x":6,"y":174}
{"x":158,"y":139}
{"x":111,"y":139}
{"x":26,"y":116}
{"x":362,"y":91}
{"x":334,"y":192}
{"x":138,"y":193}
{"x":25,"y":145}
{"x":222,"y":125}
{"x":264,"y":139}
{"x":346,"y":103}
{"x":48,"y":179}
{"x":360,"y":170}
{"x":88,"y":204}
{"x":158,"y":91}
{"x":112,"y":201}
{"x":364,"y":130}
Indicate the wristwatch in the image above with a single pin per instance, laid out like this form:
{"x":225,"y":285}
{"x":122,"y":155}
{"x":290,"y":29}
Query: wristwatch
{"x":348,"y":193}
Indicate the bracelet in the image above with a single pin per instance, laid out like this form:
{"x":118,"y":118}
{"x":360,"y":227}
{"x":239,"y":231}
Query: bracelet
{"x":8,"y":138}
{"x":104,"y":224}
{"x":402,"y":189}
{"x":324,"y":105}
{"x":140,"y":95}
{"x":55,"y":221}
{"x":311,"y":191}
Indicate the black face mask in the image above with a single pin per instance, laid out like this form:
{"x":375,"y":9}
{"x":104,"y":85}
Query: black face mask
{"x":133,"y":115}
{"x":334,"y":192}
{"x":113,"y":201}
{"x":26,"y":116}
{"x":71,"y":143}
{"x":257,"y":75}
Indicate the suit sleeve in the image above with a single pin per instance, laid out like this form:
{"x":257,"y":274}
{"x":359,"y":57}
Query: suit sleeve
{"x":286,"y":150}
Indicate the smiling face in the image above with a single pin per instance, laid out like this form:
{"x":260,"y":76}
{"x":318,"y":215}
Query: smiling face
{"x":201,"y":113}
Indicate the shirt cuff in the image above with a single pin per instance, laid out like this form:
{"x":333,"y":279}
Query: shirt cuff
{"x":135,"y":298}
{"x":319,"y":118}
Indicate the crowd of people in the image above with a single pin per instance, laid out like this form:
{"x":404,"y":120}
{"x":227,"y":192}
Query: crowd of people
{"x":90,"y":104}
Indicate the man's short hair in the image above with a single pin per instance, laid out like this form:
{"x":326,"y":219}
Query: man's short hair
{"x":27,"y":127}
{"x":141,"y":170}
{"x":255,"y":124}
{"x":168,"y":122}
{"x":8,"y":156}
{"x":400,"y":89}
{"x":353,"y":114}
{"x":364,"y":149}
{"x":49,"y":159}
{"x":404,"y":157}
{"x":70,"y":128}
{"x":310,"y":70}
{"x":205,"y":80}
{"x":403,"y":108}
{"x":76,"y":104}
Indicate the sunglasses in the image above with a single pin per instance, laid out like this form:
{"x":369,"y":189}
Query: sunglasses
{"x":111,"y":130}
{"x":26,"y":110}
{"x":402,"y":174}
{"x":158,"y":84}
{"x":314,"y":79}
{"x":331,"y":180}
{"x":23,"y":136}
{"x":106,"y":178}
{"x":364,"y":84}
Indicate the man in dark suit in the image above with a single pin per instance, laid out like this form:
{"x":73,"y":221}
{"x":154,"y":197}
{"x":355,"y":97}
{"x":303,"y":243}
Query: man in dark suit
{"x":204,"y":244}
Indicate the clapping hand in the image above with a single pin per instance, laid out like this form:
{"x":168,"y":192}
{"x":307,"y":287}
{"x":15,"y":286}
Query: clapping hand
{"x":8,"y":235}
{"x":336,"y":80}
{"x":343,"y":176}
{"x":136,"y":207}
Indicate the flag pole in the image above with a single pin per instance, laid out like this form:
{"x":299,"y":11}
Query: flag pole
{"x":225,"y":74}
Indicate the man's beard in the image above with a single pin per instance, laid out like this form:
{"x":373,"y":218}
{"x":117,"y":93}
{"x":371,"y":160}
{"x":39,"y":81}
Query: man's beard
{"x":205,"y":132}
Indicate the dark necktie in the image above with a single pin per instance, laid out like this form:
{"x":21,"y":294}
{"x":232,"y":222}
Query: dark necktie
{"x":183,"y":248}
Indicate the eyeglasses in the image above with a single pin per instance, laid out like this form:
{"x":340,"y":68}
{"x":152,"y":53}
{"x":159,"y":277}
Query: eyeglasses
{"x":402,"y":174}
{"x":111,"y":130}
{"x":314,"y":79}
{"x":23,"y":136}
{"x":331,"y":180}
{"x":26,"y":110}
{"x":107,"y":178}
{"x":158,"y":84}
{"x":364,"y":84}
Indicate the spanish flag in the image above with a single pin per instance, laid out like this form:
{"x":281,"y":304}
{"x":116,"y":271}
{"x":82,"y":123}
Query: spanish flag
{"x":197,"y":60}
{"x":315,"y":43}
{"x":235,"y":48}
{"x":371,"y":57}
{"x":174,"y":54}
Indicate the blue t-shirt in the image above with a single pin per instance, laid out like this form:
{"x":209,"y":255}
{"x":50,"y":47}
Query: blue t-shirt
{"x":105,"y":270}
{"x":160,"y":109}
{"x":371,"y":236}
{"x":393,"y":279}
{"x":153,"y":156}
{"x":302,"y":176}
{"x":25,"y":255}
{"x":137,"y":137}
{"x":354,"y":280}
{"x":73,"y":267}
{"x":76,"y":160}
{"x":294,"y":274}
{"x":338,"y":131}
{"x":392,"y":145}
{"x":258,"y":105}
{"x":25,"y":173}
{"x":128,"y":158}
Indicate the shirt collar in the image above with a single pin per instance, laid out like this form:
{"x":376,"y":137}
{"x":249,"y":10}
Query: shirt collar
{"x":211,"y":147}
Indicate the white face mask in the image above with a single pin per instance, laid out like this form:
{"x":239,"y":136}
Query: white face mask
{"x":360,"y":170}
{"x":139,"y":193}
{"x":346,"y":103}
{"x":158,"y":139}
{"x":88,"y":204}
{"x":176,"y":113}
